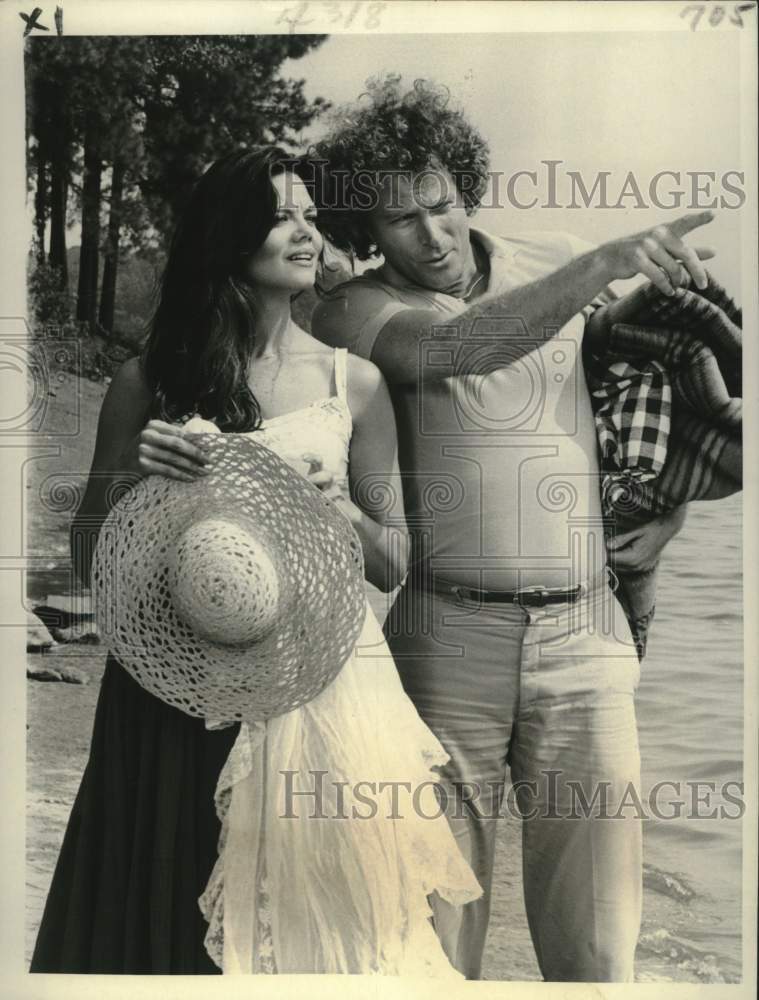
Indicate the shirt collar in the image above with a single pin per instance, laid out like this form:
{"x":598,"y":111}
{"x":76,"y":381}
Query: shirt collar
{"x":499,"y":255}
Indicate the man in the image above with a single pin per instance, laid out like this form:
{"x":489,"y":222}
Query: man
{"x":505,"y":634}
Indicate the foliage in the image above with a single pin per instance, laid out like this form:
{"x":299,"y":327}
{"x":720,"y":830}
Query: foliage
{"x":209,"y":96}
{"x":48,"y":304}
{"x":159,"y":109}
{"x":135,"y":295}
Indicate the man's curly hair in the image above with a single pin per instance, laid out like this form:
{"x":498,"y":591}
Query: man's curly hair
{"x":389,"y":130}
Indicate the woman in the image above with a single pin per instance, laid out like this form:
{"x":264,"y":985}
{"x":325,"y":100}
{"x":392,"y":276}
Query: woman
{"x":344,"y":894}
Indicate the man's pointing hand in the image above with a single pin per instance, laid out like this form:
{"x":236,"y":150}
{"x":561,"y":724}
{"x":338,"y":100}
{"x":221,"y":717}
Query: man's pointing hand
{"x":660,"y":254}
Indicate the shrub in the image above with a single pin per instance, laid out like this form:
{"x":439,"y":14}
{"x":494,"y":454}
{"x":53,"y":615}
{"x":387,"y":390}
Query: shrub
{"x":49,"y":304}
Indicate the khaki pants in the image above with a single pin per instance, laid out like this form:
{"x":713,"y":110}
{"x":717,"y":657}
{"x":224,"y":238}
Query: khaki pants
{"x":549,"y":693}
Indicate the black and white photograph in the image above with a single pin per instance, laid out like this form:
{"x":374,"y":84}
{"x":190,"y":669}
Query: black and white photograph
{"x":378,"y":539}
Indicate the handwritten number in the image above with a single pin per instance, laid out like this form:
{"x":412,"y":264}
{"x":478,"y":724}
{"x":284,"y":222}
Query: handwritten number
{"x":738,"y":9}
{"x":298,"y":17}
{"x":373,"y":12}
{"x":351,"y":15}
{"x":716,"y":15}
{"x":698,"y":9}
{"x":334,"y":11}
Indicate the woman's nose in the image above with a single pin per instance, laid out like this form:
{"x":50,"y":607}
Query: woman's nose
{"x":304,"y":229}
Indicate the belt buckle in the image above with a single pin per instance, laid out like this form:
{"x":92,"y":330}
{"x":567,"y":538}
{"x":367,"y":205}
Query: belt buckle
{"x":538,"y":597}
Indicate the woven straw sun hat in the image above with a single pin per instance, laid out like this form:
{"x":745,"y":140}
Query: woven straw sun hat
{"x":236,"y":597}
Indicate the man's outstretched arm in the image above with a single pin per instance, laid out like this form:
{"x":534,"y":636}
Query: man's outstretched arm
{"x":548,"y":303}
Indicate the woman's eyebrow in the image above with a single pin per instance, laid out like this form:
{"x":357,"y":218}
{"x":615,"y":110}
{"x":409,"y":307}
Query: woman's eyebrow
{"x":293,"y":208}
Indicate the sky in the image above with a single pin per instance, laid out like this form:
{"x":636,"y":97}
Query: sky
{"x":642,"y":102}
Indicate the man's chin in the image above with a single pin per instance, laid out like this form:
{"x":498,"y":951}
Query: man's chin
{"x":441,"y":279}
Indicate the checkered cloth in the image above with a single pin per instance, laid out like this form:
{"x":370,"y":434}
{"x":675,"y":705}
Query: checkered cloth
{"x":632,"y":405}
{"x":666,"y":395}
{"x":667,"y":401}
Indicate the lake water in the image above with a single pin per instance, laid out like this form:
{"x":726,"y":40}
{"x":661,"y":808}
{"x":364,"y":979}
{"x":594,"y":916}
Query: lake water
{"x":690,"y":714}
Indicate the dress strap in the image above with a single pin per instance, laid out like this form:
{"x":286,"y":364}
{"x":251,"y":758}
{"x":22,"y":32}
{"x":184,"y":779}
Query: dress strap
{"x":341,"y":373}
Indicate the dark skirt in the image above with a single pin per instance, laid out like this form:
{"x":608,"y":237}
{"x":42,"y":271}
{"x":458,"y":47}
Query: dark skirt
{"x":140,"y":843}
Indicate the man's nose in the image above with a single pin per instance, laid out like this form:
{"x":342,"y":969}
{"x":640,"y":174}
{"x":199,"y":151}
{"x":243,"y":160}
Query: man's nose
{"x":429,"y":230}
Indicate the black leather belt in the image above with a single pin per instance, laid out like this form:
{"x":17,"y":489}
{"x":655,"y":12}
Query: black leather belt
{"x":527,"y":597}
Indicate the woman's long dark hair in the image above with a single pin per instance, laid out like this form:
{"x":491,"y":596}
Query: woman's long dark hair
{"x":198,"y":352}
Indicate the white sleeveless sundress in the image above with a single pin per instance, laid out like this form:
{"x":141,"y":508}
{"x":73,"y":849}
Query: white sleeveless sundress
{"x":334,"y":880}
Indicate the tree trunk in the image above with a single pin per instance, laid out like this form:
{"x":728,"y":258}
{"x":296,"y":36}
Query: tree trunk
{"x":58,"y":197}
{"x":40,"y":203}
{"x":111,"y":264}
{"x":86,"y":303}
